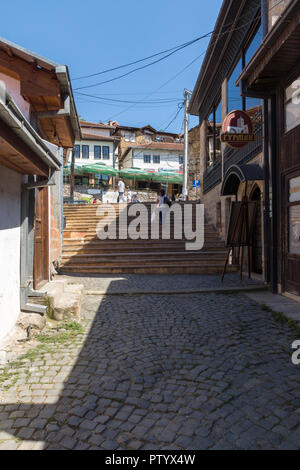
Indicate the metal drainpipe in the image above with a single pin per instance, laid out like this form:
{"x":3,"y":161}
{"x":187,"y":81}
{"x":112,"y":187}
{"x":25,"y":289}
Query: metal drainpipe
{"x":274,"y":166}
{"x":265,"y":117}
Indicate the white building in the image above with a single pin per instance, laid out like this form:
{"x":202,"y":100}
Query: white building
{"x":155,"y":156}
{"x":97,"y":145}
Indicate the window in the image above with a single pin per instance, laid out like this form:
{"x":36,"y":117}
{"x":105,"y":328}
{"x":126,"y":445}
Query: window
{"x":76,"y":151}
{"x":234,"y":98}
{"x":156,"y":158}
{"x":105,"y":152}
{"x":129,"y":136}
{"x":292,"y":105}
{"x":253,"y":46}
{"x":294,"y":216}
{"x":97,"y":152}
{"x":180,"y":159}
{"x":249,"y":53}
{"x":86,"y":151}
{"x":147,"y":158}
{"x":213,"y":134}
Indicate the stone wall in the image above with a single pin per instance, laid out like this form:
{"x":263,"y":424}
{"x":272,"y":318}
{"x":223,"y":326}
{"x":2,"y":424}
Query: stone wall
{"x":194,"y":162}
{"x":276,"y":9}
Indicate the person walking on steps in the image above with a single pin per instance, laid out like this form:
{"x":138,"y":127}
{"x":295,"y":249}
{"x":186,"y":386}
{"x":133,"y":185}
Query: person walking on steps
{"x":121,"y":190}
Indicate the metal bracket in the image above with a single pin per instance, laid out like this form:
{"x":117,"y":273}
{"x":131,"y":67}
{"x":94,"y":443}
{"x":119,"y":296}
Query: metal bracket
{"x":41,"y":184}
{"x":36,"y":293}
{"x":65,"y":111}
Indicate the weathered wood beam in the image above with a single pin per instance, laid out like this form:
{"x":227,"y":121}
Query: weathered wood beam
{"x":60,"y":113}
{"x":34,"y":81}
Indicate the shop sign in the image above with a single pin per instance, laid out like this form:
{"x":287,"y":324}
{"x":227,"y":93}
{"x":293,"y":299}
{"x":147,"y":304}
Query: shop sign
{"x":237,"y":130}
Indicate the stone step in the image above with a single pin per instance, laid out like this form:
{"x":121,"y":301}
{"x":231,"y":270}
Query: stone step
{"x":64,"y":299}
{"x":144,"y":262}
{"x":132,"y":250}
{"x":83,"y":252}
{"x":151,"y":269}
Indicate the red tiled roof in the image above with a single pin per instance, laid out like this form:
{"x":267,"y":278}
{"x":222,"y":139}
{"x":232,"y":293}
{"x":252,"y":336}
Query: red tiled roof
{"x":100,"y":137}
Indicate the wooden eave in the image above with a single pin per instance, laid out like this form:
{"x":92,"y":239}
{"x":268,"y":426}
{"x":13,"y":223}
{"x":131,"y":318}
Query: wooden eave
{"x":276,"y":58}
{"x":17,"y":156}
{"x":41,"y":89}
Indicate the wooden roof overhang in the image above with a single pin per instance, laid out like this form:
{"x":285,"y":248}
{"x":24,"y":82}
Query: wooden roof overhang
{"x":277,"y":59}
{"x":21,"y":148}
{"x":235,"y":21}
{"x":46,"y":86}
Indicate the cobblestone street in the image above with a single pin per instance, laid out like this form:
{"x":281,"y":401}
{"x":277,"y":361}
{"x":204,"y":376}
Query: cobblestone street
{"x":210,"y":371}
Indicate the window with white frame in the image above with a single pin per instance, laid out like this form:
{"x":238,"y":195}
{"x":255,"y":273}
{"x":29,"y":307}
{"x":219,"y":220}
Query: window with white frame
{"x":105,"y":152}
{"x":292,"y":105}
{"x":147,"y":158}
{"x":97,"y":152}
{"x":76,"y":151}
{"x":156,"y":158}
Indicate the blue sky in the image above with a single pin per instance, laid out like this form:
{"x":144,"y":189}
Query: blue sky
{"x":93,"y":35}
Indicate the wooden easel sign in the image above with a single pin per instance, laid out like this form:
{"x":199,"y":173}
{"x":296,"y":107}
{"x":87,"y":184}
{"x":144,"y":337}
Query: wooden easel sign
{"x":240,"y":232}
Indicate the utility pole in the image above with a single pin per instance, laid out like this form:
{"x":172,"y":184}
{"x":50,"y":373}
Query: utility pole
{"x":187,"y":94}
{"x":72,"y":176}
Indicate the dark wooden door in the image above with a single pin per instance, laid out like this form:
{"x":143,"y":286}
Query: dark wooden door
{"x":257,"y":265}
{"x":41,"y":239}
{"x":292,"y":234}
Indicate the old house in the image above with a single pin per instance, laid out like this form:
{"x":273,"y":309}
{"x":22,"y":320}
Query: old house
{"x":38,"y":126}
{"x":96,"y":145}
{"x":273,"y":75}
{"x":226,"y":173}
{"x":152,"y":151}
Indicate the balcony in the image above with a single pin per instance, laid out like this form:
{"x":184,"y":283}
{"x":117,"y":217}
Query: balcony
{"x":213,"y":175}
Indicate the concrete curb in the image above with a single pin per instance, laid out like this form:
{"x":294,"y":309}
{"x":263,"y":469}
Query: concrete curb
{"x":226,"y":290}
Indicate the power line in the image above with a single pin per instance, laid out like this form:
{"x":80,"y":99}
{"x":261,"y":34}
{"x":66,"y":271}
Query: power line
{"x":157,"y":101}
{"x":175,"y":48}
{"x":178,"y":73}
{"x":143,"y":66}
{"x":173,"y":51}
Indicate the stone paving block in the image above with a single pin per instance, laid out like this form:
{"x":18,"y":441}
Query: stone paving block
{"x":164,"y":387}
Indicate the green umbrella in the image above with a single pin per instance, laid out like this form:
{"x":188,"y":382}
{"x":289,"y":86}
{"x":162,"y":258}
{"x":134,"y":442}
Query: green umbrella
{"x":135,"y":174}
{"x":167,"y":177}
{"x":77,"y":169}
{"x":99,"y":168}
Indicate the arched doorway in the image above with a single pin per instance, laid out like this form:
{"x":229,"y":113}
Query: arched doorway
{"x":257,"y":255}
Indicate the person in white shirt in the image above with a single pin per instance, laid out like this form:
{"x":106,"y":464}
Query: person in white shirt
{"x":128,"y":194}
{"x":121,"y":190}
{"x":162,"y":202}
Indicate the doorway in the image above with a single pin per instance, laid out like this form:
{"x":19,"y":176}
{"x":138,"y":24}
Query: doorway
{"x":41,"y":239}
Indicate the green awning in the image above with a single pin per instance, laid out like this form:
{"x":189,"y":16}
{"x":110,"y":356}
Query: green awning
{"x":77,"y":169}
{"x":167,"y":177}
{"x":135,"y":174}
{"x":99,"y":168}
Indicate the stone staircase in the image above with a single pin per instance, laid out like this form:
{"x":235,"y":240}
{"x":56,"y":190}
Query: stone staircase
{"x":85,"y":253}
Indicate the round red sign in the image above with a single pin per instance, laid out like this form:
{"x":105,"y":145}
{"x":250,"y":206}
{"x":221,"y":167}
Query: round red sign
{"x":237,"y":129}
